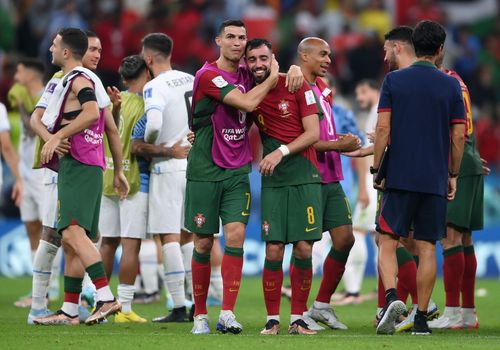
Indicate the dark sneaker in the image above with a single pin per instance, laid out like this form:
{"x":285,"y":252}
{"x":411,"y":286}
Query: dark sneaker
{"x":272,"y":328}
{"x":178,"y":315}
{"x":421,"y":328}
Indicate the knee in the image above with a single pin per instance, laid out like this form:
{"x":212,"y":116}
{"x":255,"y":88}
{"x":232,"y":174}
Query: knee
{"x":203,"y":245}
{"x":275,"y":251}
{"x":302,"y":250}
{"x":111,"y":242}
{"x":50,"y":235}
{"x":234,"y":234}
{"x":130,"y":246}
{"x":346,"y":244}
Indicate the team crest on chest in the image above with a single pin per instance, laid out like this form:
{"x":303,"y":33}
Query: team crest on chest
{"x":265,"y":227}
{"x":199,"y":220}
{"x":283,"y":107}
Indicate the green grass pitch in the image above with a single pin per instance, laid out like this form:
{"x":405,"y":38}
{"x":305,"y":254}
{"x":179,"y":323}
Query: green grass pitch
{"x":250,"y":311}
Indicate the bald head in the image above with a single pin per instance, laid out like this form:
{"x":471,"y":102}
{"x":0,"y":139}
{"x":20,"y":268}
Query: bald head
{"x":310,"y":43}
{"x":314,"y":58}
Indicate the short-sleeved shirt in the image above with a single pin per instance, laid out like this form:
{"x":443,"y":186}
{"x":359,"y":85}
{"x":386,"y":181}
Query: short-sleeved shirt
{"x":424,"y":102}
{"x":49,"y":90}
{"x":170,"y":93}
{"x":207,"y":96}
{"x":471,"y":160}
{"x":132,"y":109}
{"x":27,"y":148}
{"x":4,"y":127}
{"x":138,"y":134}
{"x":279,"y":118}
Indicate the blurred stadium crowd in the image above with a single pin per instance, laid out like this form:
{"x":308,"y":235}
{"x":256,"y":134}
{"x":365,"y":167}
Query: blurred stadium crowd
{"x":354,"y":29}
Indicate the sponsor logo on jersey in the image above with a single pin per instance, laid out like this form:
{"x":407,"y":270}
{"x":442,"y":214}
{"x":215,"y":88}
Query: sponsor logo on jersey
{"x":148,"y":93}
{"x":199,"y":220}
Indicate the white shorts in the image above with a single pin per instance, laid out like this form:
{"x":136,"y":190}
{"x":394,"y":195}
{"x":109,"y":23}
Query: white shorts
{"x":124,"y":218}
{"x":364,"y":219}
{"x":49,"y":207}
{"x":31,"y":205}
{"x":166,"y":202}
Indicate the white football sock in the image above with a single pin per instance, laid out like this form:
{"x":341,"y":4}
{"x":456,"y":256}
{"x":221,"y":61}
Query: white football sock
{"x":215,"y":290}
{"x":148,"y":260}
{"x":105,"y":294}
{"x":42,"y":264}
{"x":87,"y":282}
{"x":70,"y":308}
{"x":125,"y":296}
{"x":320,"y":251}
{"x":356,"y":264}
{"x":174,"y":273}
{"x":55,"y":275}
{"x":187,"y":256}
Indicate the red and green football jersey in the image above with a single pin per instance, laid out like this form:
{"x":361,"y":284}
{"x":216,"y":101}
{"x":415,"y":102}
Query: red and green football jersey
{"x":209,"y":115}
{"x":471,"y":161}
{"x":279,"y":118}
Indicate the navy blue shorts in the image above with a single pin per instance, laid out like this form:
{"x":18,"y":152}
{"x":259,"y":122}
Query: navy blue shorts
{"x":400,"y":209}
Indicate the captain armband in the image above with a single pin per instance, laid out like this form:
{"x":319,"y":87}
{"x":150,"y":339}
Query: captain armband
{"x":86,"y":95}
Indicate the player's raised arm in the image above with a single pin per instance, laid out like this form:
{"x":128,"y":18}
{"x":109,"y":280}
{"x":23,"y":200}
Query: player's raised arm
{"x":249,"y":101}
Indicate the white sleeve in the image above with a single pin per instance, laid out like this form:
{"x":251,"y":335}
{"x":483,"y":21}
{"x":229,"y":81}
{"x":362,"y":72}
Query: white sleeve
{"x":154,"y":104}
{"x":154,"y":120}
{"x":43,"y":102}
{"x":4,"y":120}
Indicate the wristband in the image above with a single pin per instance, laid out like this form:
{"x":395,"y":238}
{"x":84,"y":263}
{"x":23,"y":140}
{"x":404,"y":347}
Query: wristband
{"x":452,"y":175}
{"x":284,"y":150}
{"x":373,"y":170}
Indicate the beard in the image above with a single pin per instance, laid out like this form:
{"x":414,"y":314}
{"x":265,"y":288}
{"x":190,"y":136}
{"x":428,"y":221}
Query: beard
{"x":259,"y":79}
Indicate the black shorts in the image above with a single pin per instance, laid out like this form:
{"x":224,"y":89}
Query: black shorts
{"x":399,"y":209}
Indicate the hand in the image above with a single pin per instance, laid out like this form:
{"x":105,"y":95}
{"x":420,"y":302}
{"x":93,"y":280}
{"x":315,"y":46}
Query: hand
{"x":363,"y":198}
{"x":275,"y":71}
{"x":371,"y":136}
{"x":349,"y":143}
{"x":63,"y":148}
{"x":378,"y":186}
{"x":120,"y":184}
{"x":486,"y":170}
{"x":452,"y":188}
{"x":114,"y":96}
{"x":267,"y":165}
{"x":50,"y":147}
{"x":191,"y":137}
{"x":17,"y":193}
{"x":354,"y":154}
{"x":294,"y":78}
{"x":179,"y":151}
